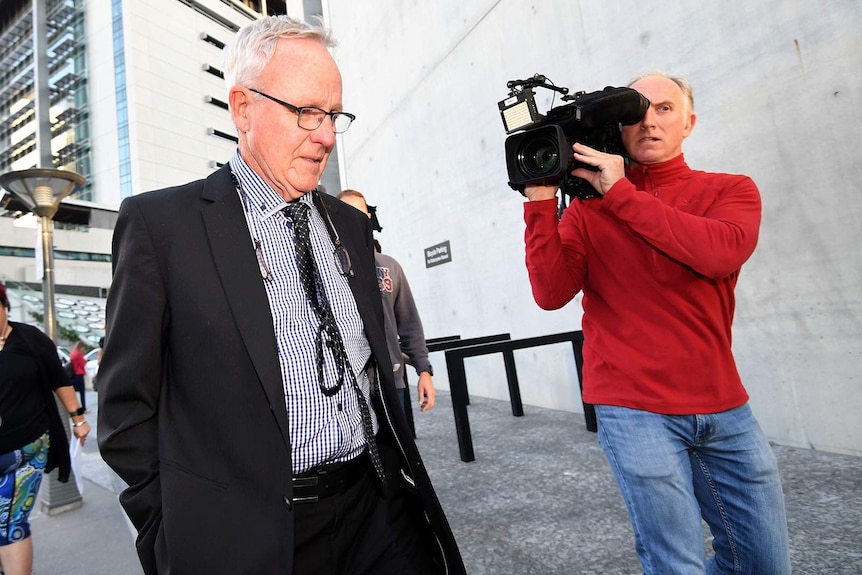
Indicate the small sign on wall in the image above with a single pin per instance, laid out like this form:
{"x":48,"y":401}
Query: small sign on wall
{"x":438,"y":254}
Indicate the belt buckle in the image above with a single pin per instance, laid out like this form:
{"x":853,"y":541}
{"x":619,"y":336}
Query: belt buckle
{"x":300,"y":483}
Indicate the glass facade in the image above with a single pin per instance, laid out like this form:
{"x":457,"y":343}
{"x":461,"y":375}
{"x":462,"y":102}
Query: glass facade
{"x":20,"y":252}
{"x":67,"y":81}
{"x":125,"y":156}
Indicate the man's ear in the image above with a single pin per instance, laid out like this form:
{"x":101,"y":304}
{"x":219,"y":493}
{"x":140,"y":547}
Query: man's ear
{"x":689,"y":124}
{"x":239,"y":98}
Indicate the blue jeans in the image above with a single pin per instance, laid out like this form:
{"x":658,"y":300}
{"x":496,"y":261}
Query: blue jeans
{"x":674,"y":470}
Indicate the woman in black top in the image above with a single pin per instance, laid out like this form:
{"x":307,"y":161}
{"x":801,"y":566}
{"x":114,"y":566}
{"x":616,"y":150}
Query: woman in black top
{"x":32,"y":431}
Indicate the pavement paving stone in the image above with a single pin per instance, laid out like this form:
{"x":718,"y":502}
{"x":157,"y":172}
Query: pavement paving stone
{"x":539,"y":499}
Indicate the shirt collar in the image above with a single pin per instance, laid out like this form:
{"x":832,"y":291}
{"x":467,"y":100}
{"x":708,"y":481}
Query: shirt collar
{"x":661,"y":173}
{"x":259,"y":195}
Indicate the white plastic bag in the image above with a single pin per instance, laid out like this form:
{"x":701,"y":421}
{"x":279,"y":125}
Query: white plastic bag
{"x":75,"y":456}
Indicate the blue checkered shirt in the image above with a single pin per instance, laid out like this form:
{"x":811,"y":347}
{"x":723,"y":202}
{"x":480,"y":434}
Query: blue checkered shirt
{"x":322,"y":429}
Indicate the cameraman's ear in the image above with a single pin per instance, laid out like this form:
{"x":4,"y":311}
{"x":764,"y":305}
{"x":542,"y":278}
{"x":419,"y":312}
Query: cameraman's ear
{"x":689,"y":124}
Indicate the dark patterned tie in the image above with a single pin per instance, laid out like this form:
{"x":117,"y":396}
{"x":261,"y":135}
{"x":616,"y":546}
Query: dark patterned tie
{"x":328,"y":328}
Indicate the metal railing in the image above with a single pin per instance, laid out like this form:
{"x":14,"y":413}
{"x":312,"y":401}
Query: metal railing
{"x":458,"y":380}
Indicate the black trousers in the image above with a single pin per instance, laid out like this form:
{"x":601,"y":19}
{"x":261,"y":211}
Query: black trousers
{"x":361,"y":532}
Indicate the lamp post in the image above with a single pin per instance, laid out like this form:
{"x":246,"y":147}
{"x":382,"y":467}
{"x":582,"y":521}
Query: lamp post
{"x":41,"y":190}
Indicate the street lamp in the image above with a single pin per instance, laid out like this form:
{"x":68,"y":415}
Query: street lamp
{"x":41,"y":190}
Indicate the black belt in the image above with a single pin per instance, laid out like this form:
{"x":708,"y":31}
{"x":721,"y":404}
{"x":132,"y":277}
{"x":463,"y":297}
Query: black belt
{"x":329,"y":480}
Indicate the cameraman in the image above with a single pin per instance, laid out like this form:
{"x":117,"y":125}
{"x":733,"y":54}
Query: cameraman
{"x":658,"y":257}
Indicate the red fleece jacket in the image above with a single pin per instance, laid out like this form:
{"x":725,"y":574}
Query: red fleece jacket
{"x":657,"y":259}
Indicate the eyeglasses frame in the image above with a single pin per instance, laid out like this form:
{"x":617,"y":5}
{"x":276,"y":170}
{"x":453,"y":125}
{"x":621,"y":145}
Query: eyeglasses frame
{"x":298,"y":110}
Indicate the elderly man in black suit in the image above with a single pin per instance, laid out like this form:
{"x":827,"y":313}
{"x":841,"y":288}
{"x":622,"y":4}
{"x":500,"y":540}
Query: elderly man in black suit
{"x":238,"y":396}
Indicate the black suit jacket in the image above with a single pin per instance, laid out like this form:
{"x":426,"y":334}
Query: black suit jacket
{"x":191,"y":403}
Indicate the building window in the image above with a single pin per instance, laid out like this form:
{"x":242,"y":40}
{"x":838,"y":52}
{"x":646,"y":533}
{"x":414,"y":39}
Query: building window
{"x":213,"y":70}
{"x":65,"y":53}
{"x":12,"y":251}
{"x":123,"y":145}
{"x":212,"y":40}
{"x":224,"y":135}
{"x":216,"y":102}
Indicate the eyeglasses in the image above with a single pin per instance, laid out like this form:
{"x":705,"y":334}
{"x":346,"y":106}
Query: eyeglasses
{"x":310,"y":118}
{"x":342,"y":260}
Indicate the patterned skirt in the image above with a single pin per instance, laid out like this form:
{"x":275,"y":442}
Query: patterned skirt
{"x":20,"y":478}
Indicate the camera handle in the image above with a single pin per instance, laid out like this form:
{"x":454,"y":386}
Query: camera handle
{"x":537,"y":81}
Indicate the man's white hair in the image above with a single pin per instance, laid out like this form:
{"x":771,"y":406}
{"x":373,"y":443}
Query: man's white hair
{"x":254,"y":45}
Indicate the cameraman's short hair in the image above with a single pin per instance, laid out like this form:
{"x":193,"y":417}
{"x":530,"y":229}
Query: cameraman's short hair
{"x":350,"y":193}
{"x":678,"y":80}
{"x":254,"y":44}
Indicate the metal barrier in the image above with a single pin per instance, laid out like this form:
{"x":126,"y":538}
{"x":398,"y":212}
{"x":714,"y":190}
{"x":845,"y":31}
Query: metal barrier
{"x":444,"y":339}
{"x":458,"y":379}
{"x":442,"y":344}
{"x":453,"y":341}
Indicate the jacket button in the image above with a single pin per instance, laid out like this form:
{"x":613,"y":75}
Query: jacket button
{"x":288,"y":502}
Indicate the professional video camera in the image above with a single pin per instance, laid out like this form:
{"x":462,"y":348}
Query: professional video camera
{"x":542,"y":154}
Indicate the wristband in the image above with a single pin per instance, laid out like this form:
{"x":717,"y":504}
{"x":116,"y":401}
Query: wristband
{"x":77,"y":412}
{"x":80,"y":423}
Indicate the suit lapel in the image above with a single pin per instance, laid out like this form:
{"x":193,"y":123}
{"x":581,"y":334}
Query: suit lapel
{"x":238,"y":269}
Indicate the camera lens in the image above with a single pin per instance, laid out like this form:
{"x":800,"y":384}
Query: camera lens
{"x":539,"y":157}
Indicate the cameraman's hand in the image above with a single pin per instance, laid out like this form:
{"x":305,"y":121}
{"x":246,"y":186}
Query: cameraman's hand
{"x":536,"y":193}
{"x":612,"y":168}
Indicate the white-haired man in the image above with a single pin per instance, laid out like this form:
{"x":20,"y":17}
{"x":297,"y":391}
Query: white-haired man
{"x":242,"y":321}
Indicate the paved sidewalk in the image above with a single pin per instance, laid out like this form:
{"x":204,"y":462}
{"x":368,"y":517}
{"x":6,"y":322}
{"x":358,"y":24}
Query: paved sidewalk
{"x":90,"y":540}
{"x":93,"y":539}
{"x":539,"y":499}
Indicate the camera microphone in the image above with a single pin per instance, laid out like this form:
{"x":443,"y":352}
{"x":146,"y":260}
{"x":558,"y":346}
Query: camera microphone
{"x":535,"y":81}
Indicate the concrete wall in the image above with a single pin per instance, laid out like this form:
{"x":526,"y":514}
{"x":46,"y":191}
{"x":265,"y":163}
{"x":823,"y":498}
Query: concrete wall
{"x":777,"y":90}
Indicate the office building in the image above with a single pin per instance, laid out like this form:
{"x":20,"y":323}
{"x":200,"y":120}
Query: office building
{"x":137,"y":102}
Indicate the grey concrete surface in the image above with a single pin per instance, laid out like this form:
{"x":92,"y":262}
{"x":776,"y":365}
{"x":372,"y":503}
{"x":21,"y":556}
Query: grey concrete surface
{"x":539,"y":499}
{"x":93,"y":539}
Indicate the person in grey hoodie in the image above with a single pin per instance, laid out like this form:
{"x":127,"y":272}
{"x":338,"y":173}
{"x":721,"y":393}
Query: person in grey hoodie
{"x":404,"y":333}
